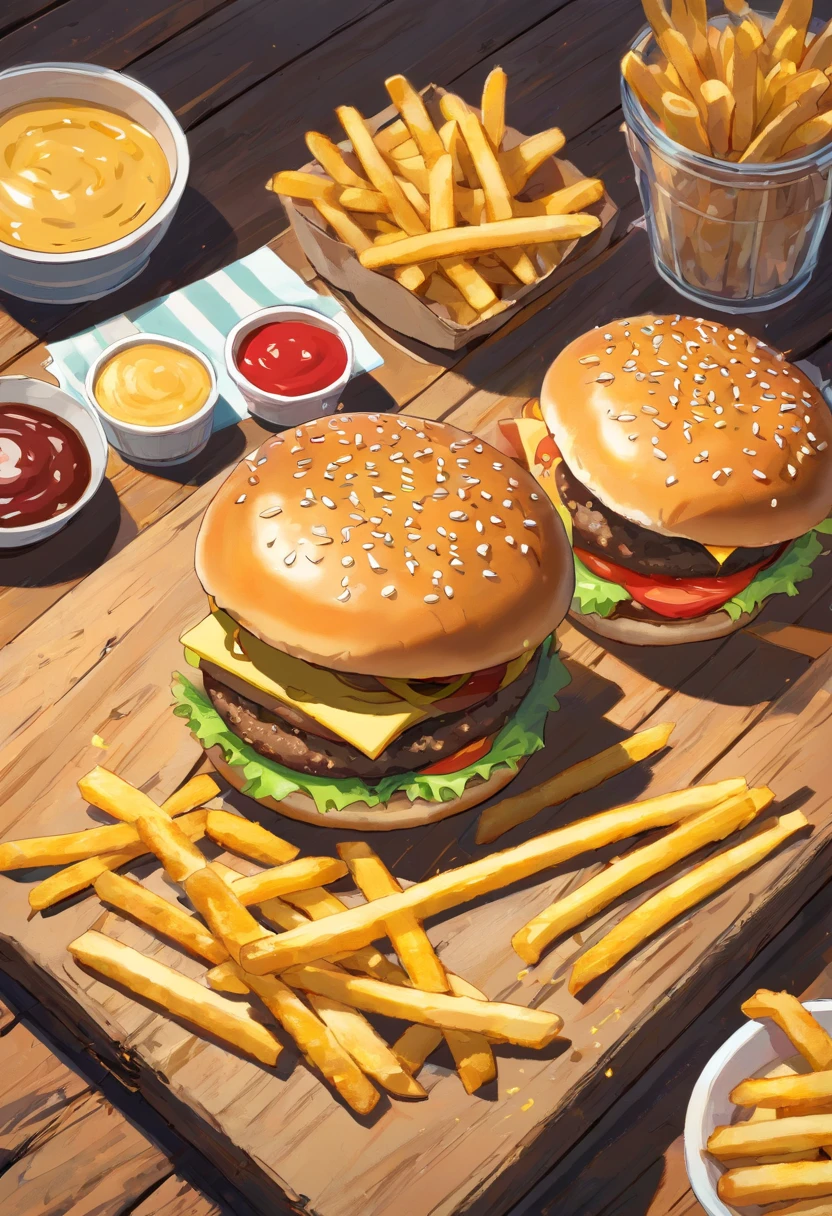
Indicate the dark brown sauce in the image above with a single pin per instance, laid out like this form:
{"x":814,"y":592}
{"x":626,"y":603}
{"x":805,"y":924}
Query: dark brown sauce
{"x":44,"y":465}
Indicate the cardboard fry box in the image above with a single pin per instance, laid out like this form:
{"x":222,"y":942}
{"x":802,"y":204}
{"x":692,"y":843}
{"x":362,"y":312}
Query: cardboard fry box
{"x":382,"y":297}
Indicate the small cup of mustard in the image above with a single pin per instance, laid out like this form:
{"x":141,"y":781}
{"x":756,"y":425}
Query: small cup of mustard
{"x":155,"y":397}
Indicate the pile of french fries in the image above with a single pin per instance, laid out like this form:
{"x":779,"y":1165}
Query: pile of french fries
{"x":441,"y":209}
{"x":749,"y":91}
{"x":280,"y":938}
{"x":782,"y":1150}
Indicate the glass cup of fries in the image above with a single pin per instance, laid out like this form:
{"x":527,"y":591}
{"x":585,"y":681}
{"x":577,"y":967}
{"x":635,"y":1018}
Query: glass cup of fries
{"x":739,"y":236}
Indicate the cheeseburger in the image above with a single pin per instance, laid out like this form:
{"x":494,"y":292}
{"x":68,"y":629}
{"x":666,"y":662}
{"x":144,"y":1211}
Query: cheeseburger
{"x":384,"y":593}
{"x":692,"y":463}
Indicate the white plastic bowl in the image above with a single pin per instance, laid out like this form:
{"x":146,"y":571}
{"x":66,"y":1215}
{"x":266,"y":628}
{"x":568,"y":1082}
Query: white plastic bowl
{"x":753,"y":1050}
{"x":157,"y":445}
{"x":287,"y":411}
{"x":23,"y":390}
{"x":69,"y":278}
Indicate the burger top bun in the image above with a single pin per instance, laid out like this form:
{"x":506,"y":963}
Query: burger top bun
{"x":693,"y":429}
{"x":386,"y":546}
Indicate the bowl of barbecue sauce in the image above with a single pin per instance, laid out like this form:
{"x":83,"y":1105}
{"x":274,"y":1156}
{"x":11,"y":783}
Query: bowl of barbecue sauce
{"x":290,"y":364}
{"x":53,"y":455}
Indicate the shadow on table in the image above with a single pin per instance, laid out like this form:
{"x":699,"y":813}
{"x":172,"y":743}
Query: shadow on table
{"x":75,"y":551}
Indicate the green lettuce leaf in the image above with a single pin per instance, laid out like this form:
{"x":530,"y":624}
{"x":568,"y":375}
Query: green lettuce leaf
{"x":595,"y":594}
{"x":826,"y":526}
{"x":521,"y":736}
{"x":780,"y":578}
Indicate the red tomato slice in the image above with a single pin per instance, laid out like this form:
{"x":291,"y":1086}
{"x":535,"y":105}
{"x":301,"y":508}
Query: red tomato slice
{"x":678,"y":598}
{"x":469,"y":754}
{"x":480,"y":686}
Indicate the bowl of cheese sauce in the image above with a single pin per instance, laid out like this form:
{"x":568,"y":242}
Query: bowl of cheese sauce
{"x":92,"y":167}
{"x":155,"y":398}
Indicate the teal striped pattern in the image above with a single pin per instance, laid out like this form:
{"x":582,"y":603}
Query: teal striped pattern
{"x":203,"y":314}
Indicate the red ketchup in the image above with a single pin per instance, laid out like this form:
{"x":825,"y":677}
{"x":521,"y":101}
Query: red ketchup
{"x":44,"y":465}
{"x":291,"y":358}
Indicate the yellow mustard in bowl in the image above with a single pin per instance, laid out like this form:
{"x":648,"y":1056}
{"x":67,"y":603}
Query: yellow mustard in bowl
{"x":152,"y":384}
{"x":75,"y":176}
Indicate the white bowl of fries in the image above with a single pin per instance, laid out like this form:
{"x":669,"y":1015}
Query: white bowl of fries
{"x":438,"y":218}
{"x":729,"y":126}
{"x":753,"y":1134}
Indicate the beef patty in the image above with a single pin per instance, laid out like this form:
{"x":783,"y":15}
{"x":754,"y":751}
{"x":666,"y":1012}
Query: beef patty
{"x":272,"y":735}
{"x":601,"y":531}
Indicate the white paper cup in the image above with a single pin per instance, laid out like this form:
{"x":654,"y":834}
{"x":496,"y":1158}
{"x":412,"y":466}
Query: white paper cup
{"x":287,"y":411}
{"x":157,"y":445}
{"x":69,"y":278}
{"x":755,"y":1049}
{"x":26,"y":391}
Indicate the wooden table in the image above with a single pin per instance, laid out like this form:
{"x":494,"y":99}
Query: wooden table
{"x":246,"y":78}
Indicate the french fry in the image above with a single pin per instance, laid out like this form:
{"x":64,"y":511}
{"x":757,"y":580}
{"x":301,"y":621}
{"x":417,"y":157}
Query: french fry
{"x":176,"y":994}
{"x":360,"y":926}
{"x":768,"y":145}
{"x":226,"y":917}
{"x":111,"y":793}
{"x":416,"y":118}
{"x":297,"y":184}
{"x":378,"y":170}
{"x":176,"y":851}
{"x":452,"y":141}
{"x":698,"y":12}
{"x":744,"y":87}
{"x":789,"y":45}
{"x":373,"y":222}
{"x":298,"y":875}
{"x":500,"y":275}
{"x":684,"y":893}
{"x":405,"y":151}
{"x":770,"y":1183}
{"x":317,"y":904}
{"x":191,"y":795}
{"x":784,"y":1092}
{"x":353,"y":1031}
{"x":469,"y":203}
{"x":658,"y":16}
{"x":417,"y":199}
{"x":774,"y":91}
{"x":391,"y":136}
{"x":719,"y":103}
{"x":726,"y":56}
{"x":331,"y":159}
{"x":518,"y":164}
{"x":683,"y":123}
{"x":353,"y":199}
{"x":317,"y":1042}
{"x":792,"y":1134}
{"x":789,"y":86}
{"x":471,"y":284}
{"x":346,"y":228}
{"x":501,"y":1022}
{"x":630,"y":871}
{"x":165,"y":918}
{"x":494,"y":107}
{"x":808,"y":1207}
{"x":794,"y":14}
{"x":497,"y":195}
{"x":62,"y":850}
{"x":585,"y":775}
{"x":819,"y":53}
{"x":76,"y":878}
{"x":679,"y":54}
{"x":418,"y":1042}
{"x":805,"y":1032}
{"x":442,"y":292}
{"x":504,"y":234}
{"x":472,"y":1055}
{"x":814,"y":131}
{"x":240,"y":835}
{"x":442,"y":214}
{"x":648,"y":80}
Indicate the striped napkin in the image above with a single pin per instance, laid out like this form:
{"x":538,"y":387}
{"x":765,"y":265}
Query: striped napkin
{"x":203,"y":314}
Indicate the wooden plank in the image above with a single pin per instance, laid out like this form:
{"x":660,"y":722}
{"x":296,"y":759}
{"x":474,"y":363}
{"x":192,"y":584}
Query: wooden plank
{"x":95,"y":31}
{"x":176,"y":1197}
{"x":36,"y":1089}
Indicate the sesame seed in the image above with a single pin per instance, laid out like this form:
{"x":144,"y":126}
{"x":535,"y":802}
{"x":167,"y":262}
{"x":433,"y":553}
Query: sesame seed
{"x":270,"y":512}
{"x":431,"y":599}
{"x":495,"y":519}
{"x":449,"y":591}
{"x":529,"y":523}
{"x":459,"y":515}
{"x":484,"y":550}
{"x":389,"y":591}
{"x":589,"y":360}
{"x":792,"y":470}
{"x":242,"y":498}
{"x":627,"y":417}
{"x":605,"y":378}
{"x":344,"y":596}
{"x":719,"y":425}
{"x":489,"y":574}
{"x":671,"y":481}
{"x":290,"y":557}
{"x":659,"y":454}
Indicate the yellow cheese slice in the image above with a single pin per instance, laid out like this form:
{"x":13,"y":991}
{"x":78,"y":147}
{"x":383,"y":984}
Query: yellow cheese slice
{"x":368,"y":720}
{"x":720,"y":552}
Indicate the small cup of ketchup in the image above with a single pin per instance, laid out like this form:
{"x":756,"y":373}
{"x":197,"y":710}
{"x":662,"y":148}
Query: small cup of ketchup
{"x":290,"y":364}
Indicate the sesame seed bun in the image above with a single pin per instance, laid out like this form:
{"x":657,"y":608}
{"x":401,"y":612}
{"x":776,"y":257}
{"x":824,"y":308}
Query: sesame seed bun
{"x":387,"y":546}
{"x":693,"y":429}
{"x":399,"y":812}
{"x":653,"y":632}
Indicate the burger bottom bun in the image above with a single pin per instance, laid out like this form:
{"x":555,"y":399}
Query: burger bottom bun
{"x":664,"y":633}
{"x":399,"y":812}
